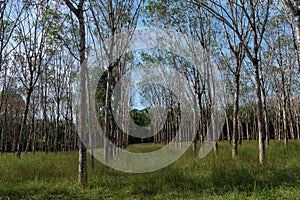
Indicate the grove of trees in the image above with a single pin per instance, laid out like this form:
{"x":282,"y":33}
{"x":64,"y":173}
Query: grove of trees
{"x":44,"y":45}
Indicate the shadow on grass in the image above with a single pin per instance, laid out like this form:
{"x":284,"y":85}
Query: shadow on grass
{"x":246,"y":180}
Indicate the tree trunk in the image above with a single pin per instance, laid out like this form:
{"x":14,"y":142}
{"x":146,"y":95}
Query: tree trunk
{"x":247,"y":128}
{"x":228,"y":129}
{"x":285,"y":129}
{"x":79,"y":12}
{"x":266,"y":118}
{"x":57,"y":122}
{"x":83,"y":98}
{"x":261,"y":135}
{"x":4,"y":123}
{"x":297,"y":23}
{"x":106,"y":116}
{"x":91,"y":133}
{"x":235,"y":115}
{"x":290,"y":114}
{"x":240,"y":129}
{"x":21,"y":133}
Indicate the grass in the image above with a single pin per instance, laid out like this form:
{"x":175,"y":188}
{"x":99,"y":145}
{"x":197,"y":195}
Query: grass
{"x":54,"y":176}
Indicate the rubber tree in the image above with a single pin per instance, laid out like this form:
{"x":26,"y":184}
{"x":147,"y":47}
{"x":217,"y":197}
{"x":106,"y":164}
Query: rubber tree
{"x":257,"y":15}
{"x":79,"y":11}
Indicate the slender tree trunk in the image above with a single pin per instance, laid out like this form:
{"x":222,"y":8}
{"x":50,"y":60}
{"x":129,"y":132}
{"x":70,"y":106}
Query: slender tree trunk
{"x":91,"y":134}
{"x":56,"y":125}
{"x":235,"y":116}
{"x":290,"y":114}
{"x":194,"y":122}
{"x":284,"y":118}
{"x":31,"y":132}
{"x":298,"y":127}
{"x":266,"y":118}
{"x":4,"y":124}
{"x":33,"y":142}
{"x":83,"y":100}
{"x":2,"y":140}
{"x":21,"y":133}
{"x":79,"y":12}
{"x":247,"y":128}
{"x":297,"y":23}
{"x":261,"y":135}
{"x":240,"y":130}
{"x":279,"y":120}
{"x":106,"y":116}
{"x":228,"y":129}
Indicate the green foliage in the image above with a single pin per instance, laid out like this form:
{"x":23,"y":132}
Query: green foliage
{"x":169,"y":12}
{"x":140,"y":117}
{"x":100,"y":96}
{"x":54,"y":176}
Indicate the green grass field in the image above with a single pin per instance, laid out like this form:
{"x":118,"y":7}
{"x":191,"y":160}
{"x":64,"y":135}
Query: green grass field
{"x":54,"y":176}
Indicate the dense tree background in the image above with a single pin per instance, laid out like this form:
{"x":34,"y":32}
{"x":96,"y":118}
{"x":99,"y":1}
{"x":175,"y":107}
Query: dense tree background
{"x":255,"y":45}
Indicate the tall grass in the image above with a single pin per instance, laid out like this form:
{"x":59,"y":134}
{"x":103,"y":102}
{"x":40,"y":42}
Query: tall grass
{"x":54,"y":176}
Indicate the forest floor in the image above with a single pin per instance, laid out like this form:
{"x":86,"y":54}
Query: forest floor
{"x":54,"y":176}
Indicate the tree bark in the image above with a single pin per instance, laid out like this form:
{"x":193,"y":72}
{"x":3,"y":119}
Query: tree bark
{"x":21,"y":133}
{"x":106,"y":116}
{"x":79,"y":12}
{"x":266,"y":120}
{"x":235,"y":115}
{"x":261,"y":135}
